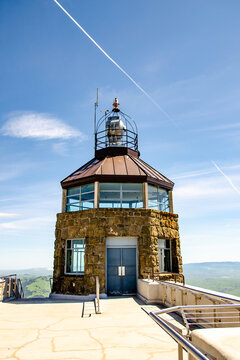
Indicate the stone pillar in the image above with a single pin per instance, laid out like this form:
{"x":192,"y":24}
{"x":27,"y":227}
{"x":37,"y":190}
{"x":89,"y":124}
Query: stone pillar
{"x":145,"y":195}
{"x":170,"y":201}
{"x":96,"y":194}
{"x":64,"y":200}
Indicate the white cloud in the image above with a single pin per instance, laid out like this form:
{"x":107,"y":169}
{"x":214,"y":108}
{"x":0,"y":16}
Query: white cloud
{"x":30,"y":223}
{"x":38,"y":126}
{"x":8,"y":215}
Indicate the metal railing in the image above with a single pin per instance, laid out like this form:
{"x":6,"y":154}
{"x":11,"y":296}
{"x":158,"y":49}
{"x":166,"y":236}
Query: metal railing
{"x":205,"y":316}
{"x":183,"y":343}
{"x":128,"y":139}
{"x":20,"y":288}
{"x":97,"y":299}
{"x":10,"y":286}
{"x":199,"y":316}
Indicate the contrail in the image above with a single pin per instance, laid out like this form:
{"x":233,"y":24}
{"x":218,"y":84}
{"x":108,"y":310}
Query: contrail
{"x":226,"y":177}
{"x":116,"y":64}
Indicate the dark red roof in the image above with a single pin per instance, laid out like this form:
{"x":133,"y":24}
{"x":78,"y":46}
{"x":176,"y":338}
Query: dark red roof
{"x":122,"y":168}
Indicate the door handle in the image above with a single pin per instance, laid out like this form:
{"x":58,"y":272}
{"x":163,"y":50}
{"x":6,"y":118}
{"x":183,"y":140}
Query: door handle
{"x":119,"y":271}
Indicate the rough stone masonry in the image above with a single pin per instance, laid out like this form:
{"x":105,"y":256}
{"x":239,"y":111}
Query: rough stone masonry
{"x":95,"y":225}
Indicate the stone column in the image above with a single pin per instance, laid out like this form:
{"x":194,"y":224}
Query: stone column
{"x":170,"y":197}
{"x":96,"y":194}
{"x":145,"y":195}
{"x":64,"y":200}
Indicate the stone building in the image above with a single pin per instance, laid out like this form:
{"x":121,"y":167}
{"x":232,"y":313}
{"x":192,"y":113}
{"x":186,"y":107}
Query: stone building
{"x":117,"y":220}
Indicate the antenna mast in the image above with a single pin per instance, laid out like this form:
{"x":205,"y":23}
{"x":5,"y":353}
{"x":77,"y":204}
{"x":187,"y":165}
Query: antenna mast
{"x":95,"y":114}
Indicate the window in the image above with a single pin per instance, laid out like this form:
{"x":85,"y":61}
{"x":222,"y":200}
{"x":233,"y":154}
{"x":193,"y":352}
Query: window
{"x":158,"y":198}
{"x":75,"y":256}
{"x":80,"y":198}
{"x":115,"y":195}
{"x":164,"y":254}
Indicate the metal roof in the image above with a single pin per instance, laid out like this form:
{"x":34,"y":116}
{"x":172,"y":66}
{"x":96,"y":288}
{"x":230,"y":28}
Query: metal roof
{"x":122,"y":168}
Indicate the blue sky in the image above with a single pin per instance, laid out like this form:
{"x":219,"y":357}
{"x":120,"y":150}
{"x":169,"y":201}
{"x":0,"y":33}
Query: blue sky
{"x":185,"y":54}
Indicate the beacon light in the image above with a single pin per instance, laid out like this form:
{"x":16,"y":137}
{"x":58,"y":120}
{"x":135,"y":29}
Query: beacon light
{"x":115,"y":103}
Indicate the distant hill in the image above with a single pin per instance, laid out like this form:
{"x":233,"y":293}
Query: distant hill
{"x":217,"y":276}
{"x":32,"y":272}
{"x":227,"y":269}
{"x":35,"y":281}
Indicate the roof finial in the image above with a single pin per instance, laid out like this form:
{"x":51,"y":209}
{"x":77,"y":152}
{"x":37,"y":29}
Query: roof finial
{"x":116,"y":105}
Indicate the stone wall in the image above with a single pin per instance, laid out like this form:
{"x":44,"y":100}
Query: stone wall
{"x":95,"y":226}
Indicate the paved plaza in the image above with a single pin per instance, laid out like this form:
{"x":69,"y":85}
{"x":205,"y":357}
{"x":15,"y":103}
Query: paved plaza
{"x":45,"y":330}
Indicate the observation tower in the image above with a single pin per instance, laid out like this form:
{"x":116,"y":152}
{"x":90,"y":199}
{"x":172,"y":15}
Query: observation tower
{"x":117,"y":220}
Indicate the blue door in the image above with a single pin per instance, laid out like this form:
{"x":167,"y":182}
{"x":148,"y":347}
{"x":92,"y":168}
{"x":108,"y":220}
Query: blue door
{"x":121,"y":271}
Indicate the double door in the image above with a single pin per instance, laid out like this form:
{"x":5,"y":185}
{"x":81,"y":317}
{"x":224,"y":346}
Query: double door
{"x":121,"y":271}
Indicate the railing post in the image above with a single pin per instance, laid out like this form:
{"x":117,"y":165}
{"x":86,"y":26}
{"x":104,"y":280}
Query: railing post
{"x":180,"y":352}
{"x":15,"y":285}
{"x":97,"y":300}
{"x":9,"y":286}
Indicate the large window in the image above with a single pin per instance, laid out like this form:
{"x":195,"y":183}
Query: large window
{"x":115,"y":195}
{"x":164,"y":253}
{"x":75,"y":256}
{"x":158,"y":198}
{"x":80,"y":198}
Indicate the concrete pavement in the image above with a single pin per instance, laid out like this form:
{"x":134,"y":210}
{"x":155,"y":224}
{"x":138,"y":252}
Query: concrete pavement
{"x":48,"y":330}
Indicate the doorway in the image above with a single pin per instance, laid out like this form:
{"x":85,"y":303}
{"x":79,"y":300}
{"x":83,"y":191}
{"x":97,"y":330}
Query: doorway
{"x":121,"y":271}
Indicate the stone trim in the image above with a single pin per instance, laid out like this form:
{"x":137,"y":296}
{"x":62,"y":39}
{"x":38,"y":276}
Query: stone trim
{"x":64,"y":200}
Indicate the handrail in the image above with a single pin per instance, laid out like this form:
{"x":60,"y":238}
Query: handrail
{"x":14,"y":285}
{"x":20,"y":288}
{"x":196,"y":318}
{"x":4,"y":277}
{"x":182,"y":342}
{"x":97,"y":299}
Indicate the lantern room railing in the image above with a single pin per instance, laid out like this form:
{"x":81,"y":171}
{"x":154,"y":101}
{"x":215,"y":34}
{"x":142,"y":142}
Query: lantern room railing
{"x":116,"y":129}
{"x":128,"y":139}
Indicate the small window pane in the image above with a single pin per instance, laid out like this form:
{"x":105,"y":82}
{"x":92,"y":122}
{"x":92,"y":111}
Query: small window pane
{"x":132,"y":196}
{"x":88,"y":196}
{"x":77,"y":243}
{"x":73,"y":191}
{"x":110,"y":186}
{"x":161,"y":243}
{"x":132,"y":187}
{"x":73,"y":207}
{"x":87,"y":188}
{"x":73,"y":199}
{"x":109,"y":195}
{"x":168,"y":244}
{"x":87,"y":205}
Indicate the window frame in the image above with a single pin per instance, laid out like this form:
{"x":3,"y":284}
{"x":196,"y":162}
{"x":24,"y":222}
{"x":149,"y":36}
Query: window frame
{"x":80,"y":202}
{"x":65,"y":263}
{"x":156,"y":202}
{"x":170,"y":255}
{"x":121,"y":201}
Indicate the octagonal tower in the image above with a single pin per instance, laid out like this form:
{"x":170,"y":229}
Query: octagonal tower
{"x":117,"y":220}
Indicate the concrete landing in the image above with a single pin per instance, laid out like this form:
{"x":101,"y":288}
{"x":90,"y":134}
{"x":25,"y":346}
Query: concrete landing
{"x":48,"y":330}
